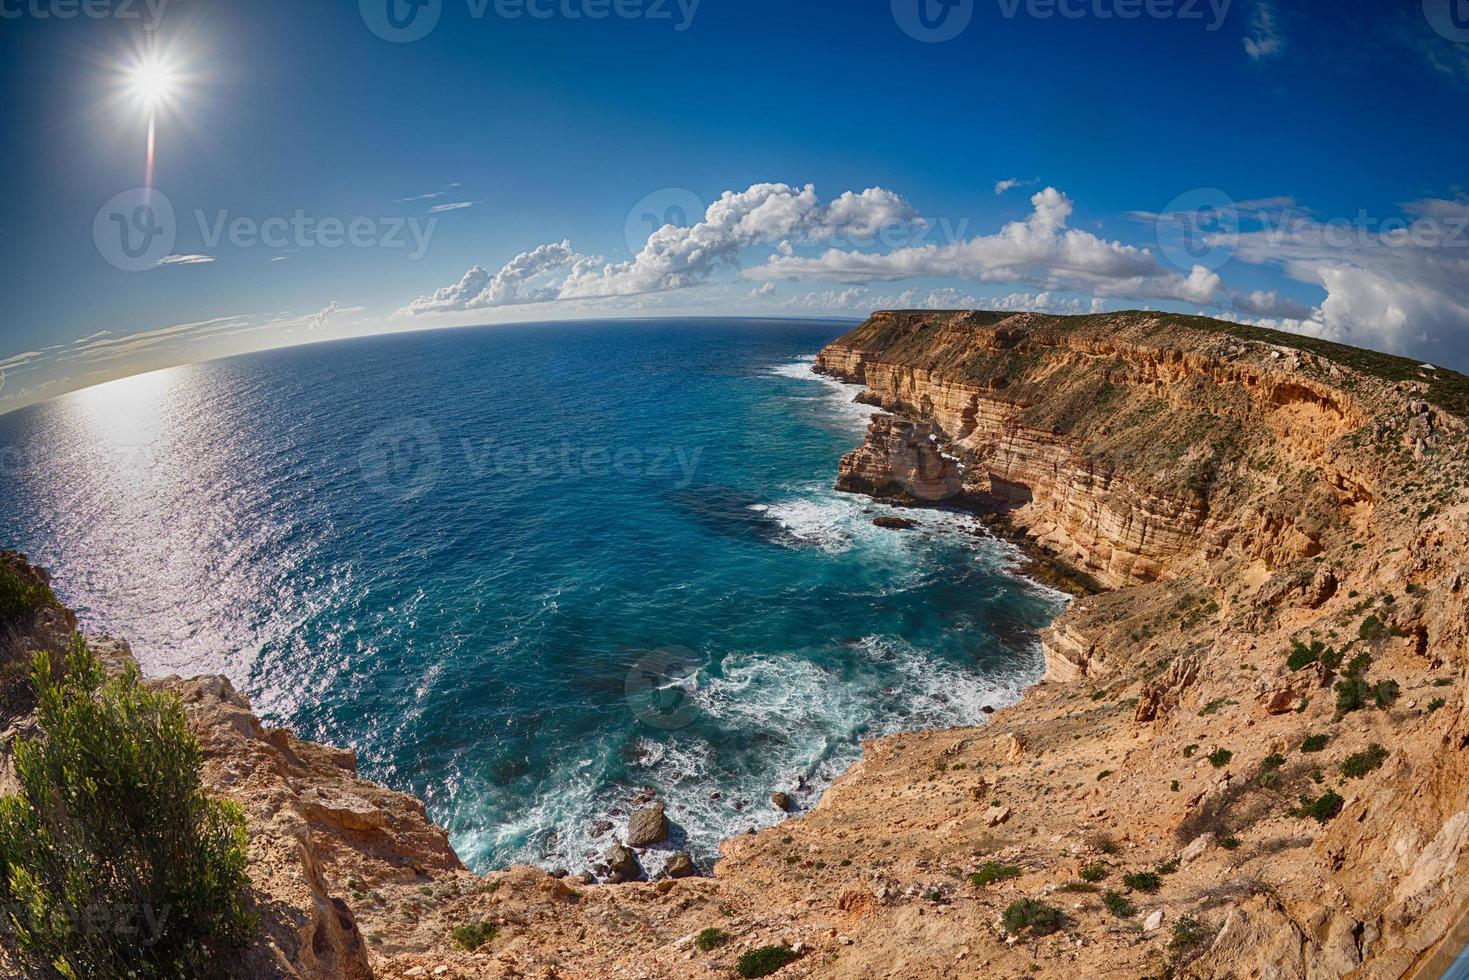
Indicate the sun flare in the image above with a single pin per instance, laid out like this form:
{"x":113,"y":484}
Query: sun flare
{"x":153,"y":82}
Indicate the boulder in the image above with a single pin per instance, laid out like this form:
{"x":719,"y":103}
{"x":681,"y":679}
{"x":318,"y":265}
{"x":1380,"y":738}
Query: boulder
{"x":895,"y":523}
{"x":647,"y":826}
{"x":681,"y":865}
{"x":781,"y":801}
{"x":622,"y":864}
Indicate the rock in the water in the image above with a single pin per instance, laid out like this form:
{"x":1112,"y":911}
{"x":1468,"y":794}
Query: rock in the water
{"x":681,"y":865}
{"x":647,"y":826}
{"x":622,"y":864}
{"x":895,"y":523}
{"x":781,"y":801}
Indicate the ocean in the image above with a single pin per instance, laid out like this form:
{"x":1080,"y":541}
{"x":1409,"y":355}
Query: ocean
{"x":529,"y":573}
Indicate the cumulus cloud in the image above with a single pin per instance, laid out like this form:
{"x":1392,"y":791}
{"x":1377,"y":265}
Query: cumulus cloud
{"x":1401,"y":284}
{"x":1040,"y":251}
{"x":676,"y":257}
{"x":1264,"y":39}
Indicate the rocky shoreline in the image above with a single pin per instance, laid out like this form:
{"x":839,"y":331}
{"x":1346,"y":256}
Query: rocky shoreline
{"x":1248,"y":757}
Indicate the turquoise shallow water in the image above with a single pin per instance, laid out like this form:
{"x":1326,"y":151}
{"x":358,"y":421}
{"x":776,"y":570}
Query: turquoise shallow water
{"x":527,"y":572}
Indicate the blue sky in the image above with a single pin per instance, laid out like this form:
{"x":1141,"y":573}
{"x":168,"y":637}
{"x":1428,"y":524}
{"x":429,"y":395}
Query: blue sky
{"x":1295,"y":165}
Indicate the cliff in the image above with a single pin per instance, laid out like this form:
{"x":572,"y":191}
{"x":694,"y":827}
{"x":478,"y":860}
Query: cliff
{"x":1248,"y":758}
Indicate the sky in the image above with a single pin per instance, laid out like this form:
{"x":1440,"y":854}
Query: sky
{"x":331,"y":169}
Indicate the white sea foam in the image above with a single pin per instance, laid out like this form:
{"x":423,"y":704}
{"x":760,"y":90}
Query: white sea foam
{"x":840,"y":394}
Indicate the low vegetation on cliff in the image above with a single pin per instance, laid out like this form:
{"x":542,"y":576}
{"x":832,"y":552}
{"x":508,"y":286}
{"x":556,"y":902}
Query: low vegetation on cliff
{"x":113,"y":861}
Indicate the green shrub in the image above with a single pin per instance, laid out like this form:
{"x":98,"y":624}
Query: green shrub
{"x":1352,"y":693}
{"x":993,"y":871}
{"x":1093,"y":872}
{"x":1168,"y":867}
{"x":1435,"y":704}
{"x":20,"y":599}
{"x":1359,"y":764}
{"x":111,"y":828}
{"x":1027,"y":913}
{"x":764,"y":961}
{"x":1085,"y":887}
{"x":1190,"y":938}
{"x":1219,"y":758}
{"x":1323,"y":808}
{"x":1107,"y":844}
{"x":474,"y":935}
{"x":1385,"y":693}
{"x":1118,"y":905}
{"x":1442,"y":681}
{"x":1143,"y":881}
{"x":1103,"y":774}
{"x":1272,"y":761}
{"x":1302,"y":655}
{"x":709,"y":938}
{"x":1190,"y":749}
{"x":1372,"y":630}
{"x":1229,"y":843}
{"x":1315,"y":743}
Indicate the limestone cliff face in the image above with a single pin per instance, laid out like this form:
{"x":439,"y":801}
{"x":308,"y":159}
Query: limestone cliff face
{"x":1129,"y":454}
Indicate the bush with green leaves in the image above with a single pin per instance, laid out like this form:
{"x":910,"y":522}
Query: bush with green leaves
{"x":113,"y":861}
{"x":1359,"y":764}
{"x":709,"y":938}
{"x":20,"y":599}
{"x":1321,"y":809}
{"x":992,"y":871}
{"x":1143,"y":881}
{"x":1029,"y":913}
{"x":1118,"y":905}
{"x":472,"y":936}
{"x":764,"y":961}
{"x":1219,"y":758}
{"x":1093,"y":872}
{"x":1315,"y":743}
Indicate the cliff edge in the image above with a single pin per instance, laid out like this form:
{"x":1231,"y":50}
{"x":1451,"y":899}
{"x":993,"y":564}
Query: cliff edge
{"x":1248,"y":757}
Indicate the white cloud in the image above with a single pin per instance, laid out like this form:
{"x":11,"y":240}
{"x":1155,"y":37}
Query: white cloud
{"x":456,"y":206}
{"x":277,"y":258}
{"x":676,"y":257}
{"x":763,"y":290}
{"x":1010,"y":183}
{"x":186,"y":260}
{"x":1039,"y":251}
{"x":1401,"y":285}
{"x":1264,"y":39}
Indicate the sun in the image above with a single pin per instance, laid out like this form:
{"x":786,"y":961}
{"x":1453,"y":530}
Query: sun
{"x":152,"y":81}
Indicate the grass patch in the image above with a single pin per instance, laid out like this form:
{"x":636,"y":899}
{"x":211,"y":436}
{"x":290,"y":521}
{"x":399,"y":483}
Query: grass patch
{"x":992,"y":871}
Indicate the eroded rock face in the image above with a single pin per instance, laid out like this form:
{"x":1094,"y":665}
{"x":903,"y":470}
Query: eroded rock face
{"x":901,"y":460}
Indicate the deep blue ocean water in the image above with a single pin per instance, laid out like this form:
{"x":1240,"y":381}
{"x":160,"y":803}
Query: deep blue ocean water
{"x":527,"y":572}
